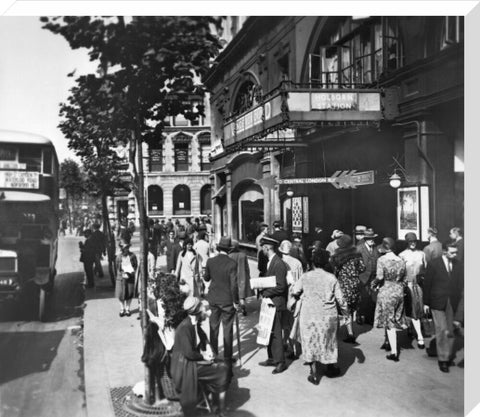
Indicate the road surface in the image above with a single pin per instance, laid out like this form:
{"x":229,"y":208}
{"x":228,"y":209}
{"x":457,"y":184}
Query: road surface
{"x":41,"y":364}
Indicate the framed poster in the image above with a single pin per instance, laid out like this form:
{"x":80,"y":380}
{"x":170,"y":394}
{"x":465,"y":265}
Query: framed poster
{"x":413,"y":211}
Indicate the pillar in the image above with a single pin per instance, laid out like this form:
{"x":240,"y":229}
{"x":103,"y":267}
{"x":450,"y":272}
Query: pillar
{"x":267,"y":206}
{"x":229,"y":202}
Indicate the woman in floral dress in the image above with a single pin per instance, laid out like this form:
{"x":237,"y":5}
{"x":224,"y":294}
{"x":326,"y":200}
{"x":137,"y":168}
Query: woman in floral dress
{"x":348,"y":264}
{"x":320,"y":294}
{"x":389,"y":313}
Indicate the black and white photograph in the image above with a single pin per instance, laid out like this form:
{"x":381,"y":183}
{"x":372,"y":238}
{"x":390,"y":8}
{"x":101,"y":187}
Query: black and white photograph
{"x":235,"y":213}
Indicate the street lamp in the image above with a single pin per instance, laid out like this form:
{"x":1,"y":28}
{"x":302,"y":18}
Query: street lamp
{"x":290,"y":192}
{"x":395,"y":180}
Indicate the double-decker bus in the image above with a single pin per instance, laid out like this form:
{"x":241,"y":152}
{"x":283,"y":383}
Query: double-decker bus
{"x":28,"y":218}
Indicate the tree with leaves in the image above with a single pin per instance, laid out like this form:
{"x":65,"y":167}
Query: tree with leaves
{"x":150,"y":68}
{"x":73,"y":182}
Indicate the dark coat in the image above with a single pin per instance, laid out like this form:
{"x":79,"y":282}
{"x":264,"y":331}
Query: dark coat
{"x":98,"y":239}
{"x":243,"y":274}
{"x":88,"y":250}
{"x":439,"y":286}
{"x":280,"y":235}
{"x":183,"y":367}
{"x":370,"y":261}
{"x":279,"y":293}
{"x":221,"y":270}
{"x":173,"y":250}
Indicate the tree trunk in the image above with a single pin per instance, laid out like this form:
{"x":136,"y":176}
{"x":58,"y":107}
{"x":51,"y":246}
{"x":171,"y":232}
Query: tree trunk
{"x":139,"y":194}
{"x":69,"y":211}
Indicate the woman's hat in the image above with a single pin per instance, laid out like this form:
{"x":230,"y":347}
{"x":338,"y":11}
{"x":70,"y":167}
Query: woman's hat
{"x":269,"y":240}
{"x":285,"y":247}
{"x":225,"y":244}
{"x":370,"y":234}
{"x":387,"y":245}
{"x":411,"y":237}
{"x":336,"y":234}
{"x":192,"y":305}
{"x":344,"y":242}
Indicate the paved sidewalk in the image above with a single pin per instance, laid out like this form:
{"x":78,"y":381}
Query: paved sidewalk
{"x":369,"y":384}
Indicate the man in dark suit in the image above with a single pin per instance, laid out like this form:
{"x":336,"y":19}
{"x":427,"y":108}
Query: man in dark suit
{"x":442,"y":292}
{"x":279,"y":233}
{"x":98,"y":241}
{"x":456,"y":234}
{"x":173,"y":249}
{"x":221,"y":271}
{"x":369,"y":252}
{"x":278,"y":294}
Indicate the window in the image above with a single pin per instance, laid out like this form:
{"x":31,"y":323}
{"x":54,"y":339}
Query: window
{"x":155,"y":160}
{"x":31,"y":156}
{"x":181,"y":156}
{"x":179,"y":120}
{"x":206,"y":199}
{"x":155,"y":200}
{"x":181,"y":200}
{"x":8,"y":153}
{"x":359,"y":57}
{"x":205,"y":156}
{"x":47,"y":161}
{"x":452,"y":30}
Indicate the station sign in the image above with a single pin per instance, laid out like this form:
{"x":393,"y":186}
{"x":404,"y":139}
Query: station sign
{"x":20,"y":180}
{"x":13,"y":165}
{"x":304,"y":106}
{"x":340,"y":179}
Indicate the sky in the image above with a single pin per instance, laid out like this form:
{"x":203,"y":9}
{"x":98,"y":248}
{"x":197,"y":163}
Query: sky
{"x":34,"y":64}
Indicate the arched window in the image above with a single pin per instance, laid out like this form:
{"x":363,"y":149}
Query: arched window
{"x":247,"y":96}
{"x":206,"y":199}
{"x":181,"y":200}
{"x":155,"y":200}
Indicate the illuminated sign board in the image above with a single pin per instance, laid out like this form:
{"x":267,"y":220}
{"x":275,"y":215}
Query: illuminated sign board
{"x":19,"y":179}
{"x":304,"y":106}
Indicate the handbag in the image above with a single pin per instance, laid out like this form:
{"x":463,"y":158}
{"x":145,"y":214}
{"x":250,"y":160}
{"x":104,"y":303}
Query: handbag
{"x":428,"y":326}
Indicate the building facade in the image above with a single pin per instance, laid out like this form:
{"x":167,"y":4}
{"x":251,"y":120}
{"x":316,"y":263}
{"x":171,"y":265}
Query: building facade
{"x":313,"y":117}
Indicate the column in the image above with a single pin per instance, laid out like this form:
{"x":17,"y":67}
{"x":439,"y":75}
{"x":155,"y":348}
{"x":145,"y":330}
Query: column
{"x":265,"y":161}
{"x":229,"y":202}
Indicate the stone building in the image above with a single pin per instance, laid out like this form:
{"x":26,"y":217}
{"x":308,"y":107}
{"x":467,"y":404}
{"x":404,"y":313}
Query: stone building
{"x":314,"y":118}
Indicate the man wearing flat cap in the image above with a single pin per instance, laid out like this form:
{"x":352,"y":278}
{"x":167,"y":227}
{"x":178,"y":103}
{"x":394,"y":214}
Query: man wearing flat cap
{"x":191,"y":362}
{"x":221,"y":271}
{"x":278,"y":294}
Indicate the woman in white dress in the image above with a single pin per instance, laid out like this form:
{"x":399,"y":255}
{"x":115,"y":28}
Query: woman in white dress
{"x":187,"y":269}
{"x":415,"y":261}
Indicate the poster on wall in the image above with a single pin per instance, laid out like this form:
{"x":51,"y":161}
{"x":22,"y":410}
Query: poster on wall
{"x":408,"y":216}
{"x":297,"y":215}
{"x":413,"y":213}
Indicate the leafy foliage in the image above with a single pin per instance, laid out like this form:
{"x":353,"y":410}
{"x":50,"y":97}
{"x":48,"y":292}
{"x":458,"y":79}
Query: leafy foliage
{"x":152,"y":65}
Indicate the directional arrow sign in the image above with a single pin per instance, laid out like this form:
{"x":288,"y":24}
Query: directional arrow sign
{"x":340,"y":180}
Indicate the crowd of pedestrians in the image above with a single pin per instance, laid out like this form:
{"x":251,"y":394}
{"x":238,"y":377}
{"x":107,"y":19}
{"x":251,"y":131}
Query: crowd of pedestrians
{"x":319,"y":291}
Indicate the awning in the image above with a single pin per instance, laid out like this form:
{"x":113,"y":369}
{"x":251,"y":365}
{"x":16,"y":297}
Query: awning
{"x":220,"y":193}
